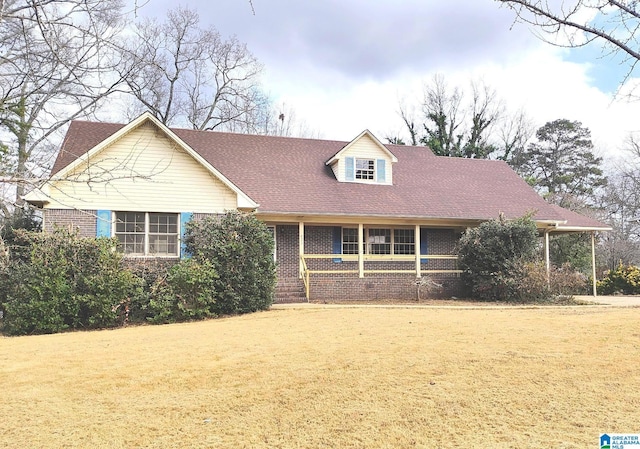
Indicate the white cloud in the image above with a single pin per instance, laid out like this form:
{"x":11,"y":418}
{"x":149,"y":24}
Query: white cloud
{"x":541,"y":83}
{"x":343,"y":66}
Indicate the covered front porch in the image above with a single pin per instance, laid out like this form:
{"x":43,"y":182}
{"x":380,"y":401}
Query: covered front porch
{"x":358,"y":259}
{"x":368,"y":259}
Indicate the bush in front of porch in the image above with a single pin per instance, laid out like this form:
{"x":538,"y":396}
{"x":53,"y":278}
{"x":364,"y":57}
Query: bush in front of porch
{"x":500,"y":261}
{"x":240,"y":249}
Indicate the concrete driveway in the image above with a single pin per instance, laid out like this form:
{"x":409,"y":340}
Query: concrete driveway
{"x":613,"y":301}
{"x":619,"y":301}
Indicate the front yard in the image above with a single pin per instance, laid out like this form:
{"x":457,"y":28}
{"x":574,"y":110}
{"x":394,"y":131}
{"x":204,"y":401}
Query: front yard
{"x":337,"y":377}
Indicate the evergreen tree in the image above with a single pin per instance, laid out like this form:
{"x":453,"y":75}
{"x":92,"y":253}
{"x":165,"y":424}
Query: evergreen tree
{"x":561,"y":164}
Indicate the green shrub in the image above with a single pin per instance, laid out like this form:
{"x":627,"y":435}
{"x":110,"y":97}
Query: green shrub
{"x":172,"y":292}
{"x":187,"y":293}
{"x":572,"y":249}
{"x":21,"y":219}
{"x":240,"y":249}
{"x":493,"y":256}
{"x":625,"y":279}
{"x":60,"y":281}
{"x":152,"y":278}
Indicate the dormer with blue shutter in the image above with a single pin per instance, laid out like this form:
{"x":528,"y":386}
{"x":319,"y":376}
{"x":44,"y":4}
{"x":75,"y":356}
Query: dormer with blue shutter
{"x":364,"y":160}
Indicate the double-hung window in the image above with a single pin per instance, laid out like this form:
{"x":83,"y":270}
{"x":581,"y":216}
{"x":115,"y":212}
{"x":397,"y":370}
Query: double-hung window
{"x":404,"y":241}
{"x":147,"y":233}
{"x":365,"y":169}
{"x":349,"y":241}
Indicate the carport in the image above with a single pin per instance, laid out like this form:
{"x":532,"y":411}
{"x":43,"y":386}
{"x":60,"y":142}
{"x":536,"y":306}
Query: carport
{"x":573,"y":223}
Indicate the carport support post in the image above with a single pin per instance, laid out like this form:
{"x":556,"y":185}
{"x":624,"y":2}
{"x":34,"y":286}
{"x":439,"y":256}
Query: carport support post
{"x":593,"y":262}
{"x":547,"y":262}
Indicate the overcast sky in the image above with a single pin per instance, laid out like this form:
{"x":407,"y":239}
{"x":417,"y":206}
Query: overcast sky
{"x":344,"y":65}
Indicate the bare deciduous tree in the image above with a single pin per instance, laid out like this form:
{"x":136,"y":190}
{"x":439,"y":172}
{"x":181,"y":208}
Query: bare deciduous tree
{"x":613,"y":23}
{"x":441,"y":108}
{"x":187,"y":75}
{"x":55,"y":66}
{"x":513,"y":133}
{"x":471,"y":124}
{"x":620,"y":201}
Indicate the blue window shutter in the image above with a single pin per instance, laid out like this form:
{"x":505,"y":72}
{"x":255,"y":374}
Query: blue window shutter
{"x":185,"y":217}
{"x":348,"y":168}
{"x":337,"y":242}
{"x":381,"y":170}
{"x":424,"y":248}
{"x":103,"y":223}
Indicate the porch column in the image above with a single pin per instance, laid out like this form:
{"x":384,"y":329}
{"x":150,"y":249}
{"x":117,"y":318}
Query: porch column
{"x":593,"y":262}
{"x":360,"y":250}
{"x":417,"y":247}
{"x":300,"y":246}
{"x":546,"y":253}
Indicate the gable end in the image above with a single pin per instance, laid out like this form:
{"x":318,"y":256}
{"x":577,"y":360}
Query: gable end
{"x":364,"y":160}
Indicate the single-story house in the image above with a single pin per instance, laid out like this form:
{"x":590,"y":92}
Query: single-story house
{"x":351,"y":220}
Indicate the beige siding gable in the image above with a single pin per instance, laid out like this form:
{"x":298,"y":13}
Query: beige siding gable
{"x":144,"y":170}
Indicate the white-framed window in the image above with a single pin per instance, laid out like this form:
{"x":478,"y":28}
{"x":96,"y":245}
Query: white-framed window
{"x":148,"y":233}
{"x":349,"y":241}
{"x":404,"y":241}
{"x":365,"y":169}
{"x":400,"y":241}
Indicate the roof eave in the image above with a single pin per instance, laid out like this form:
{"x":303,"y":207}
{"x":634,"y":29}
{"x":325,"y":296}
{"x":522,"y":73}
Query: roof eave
{"x":366,"y":132}
{"x":583,"y":228}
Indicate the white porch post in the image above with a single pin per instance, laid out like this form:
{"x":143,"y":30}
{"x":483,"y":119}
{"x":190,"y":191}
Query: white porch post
{"x":300,"y":246}
{"x":417,"y":250}
{"x":360,"y":250}
{"x":593,"y":262}
{"x":547,"y":261}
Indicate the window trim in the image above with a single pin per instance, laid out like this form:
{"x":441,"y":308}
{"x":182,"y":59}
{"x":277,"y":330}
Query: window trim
{"x":147,"y":234}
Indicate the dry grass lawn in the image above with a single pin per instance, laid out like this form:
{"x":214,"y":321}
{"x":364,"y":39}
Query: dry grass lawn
{"x":323,"y":378}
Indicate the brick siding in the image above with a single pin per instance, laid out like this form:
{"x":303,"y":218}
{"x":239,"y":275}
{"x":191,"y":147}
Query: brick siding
{"x":84,"y":221}
{"x":287,"y":255}
{"x":380,"y":286}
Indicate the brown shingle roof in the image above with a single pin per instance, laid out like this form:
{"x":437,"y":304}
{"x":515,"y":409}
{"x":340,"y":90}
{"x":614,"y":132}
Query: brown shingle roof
{"x":289,"y":176}
{"x":576,"y":220}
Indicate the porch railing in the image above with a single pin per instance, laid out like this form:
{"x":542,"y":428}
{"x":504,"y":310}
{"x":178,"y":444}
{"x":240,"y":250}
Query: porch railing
{"x":306,"y":272}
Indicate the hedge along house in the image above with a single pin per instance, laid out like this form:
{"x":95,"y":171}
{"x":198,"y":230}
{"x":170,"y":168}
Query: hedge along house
{"x":351,"y":220}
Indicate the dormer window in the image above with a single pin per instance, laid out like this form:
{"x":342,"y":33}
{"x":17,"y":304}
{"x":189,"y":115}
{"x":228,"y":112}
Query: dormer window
{"x":365,"y":169}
